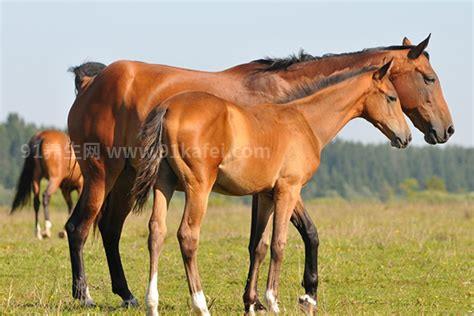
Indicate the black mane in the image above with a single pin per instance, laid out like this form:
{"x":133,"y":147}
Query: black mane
{"x":276,"y":64}
{"x":88,"y":69}
{"x":310,"y":87}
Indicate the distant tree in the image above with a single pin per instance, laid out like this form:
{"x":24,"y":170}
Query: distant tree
{"x":386,"y":192}
{"x":409,"y":186}
{"x":435,"y":183}
{"x":348,"y":169}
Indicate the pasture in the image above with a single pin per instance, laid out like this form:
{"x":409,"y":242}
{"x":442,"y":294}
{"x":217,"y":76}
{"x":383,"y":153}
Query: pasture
{"x":398,"y":257}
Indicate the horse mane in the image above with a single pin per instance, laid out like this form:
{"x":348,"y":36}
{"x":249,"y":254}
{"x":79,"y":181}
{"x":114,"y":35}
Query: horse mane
{"x":87,"y":69}
{"x":276,"y":64}
{"x":307,"y":88}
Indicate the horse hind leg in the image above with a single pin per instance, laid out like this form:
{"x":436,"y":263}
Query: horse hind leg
{"x":53,"y":185}
{"x":197,"y":195}
{"x":262,"y":208}
{"x":78,"y":225}
{"x":305,"y":226}
{"x":66,"y":192}
{"x":163,"y":191}
{"x":36,"y":206}
{"x":113,"y":214}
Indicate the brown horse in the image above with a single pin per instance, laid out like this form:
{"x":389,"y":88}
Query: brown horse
{"x":112,"y":107}
{"x":49,"y":156}
{"x":214,"y":145}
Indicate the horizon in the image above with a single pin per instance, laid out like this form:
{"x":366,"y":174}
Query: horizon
{"x":235,"y":33}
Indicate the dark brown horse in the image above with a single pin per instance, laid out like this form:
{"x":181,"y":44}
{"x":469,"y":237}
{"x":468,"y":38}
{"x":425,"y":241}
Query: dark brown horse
{"x":49,"y":156}
{"x":271,"y":150}
{"x":113,"y":106}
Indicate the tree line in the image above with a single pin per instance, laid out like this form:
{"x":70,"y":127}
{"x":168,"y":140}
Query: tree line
{"x":348,"y":169}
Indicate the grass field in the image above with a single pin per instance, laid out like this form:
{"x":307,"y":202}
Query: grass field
{"x":375,"y":258}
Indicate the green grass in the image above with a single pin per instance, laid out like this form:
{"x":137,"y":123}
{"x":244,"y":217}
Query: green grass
{"x":403,"y":257}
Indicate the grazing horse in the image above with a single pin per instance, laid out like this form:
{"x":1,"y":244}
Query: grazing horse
{"x":215,"y":145}
{"x":49,"y":156}
{"x":114,"y":104}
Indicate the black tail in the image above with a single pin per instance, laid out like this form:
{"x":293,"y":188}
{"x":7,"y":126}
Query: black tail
{"x":89,"y":69}
{"x":150,"y":137}
{"x":25,"y":183}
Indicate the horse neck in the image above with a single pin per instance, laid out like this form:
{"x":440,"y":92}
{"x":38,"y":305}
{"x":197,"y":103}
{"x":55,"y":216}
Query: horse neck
{"x":275,"y":84}
{"x":330,"y":109}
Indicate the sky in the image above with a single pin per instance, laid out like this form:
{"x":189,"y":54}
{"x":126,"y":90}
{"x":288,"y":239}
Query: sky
{"x":40,"y":40}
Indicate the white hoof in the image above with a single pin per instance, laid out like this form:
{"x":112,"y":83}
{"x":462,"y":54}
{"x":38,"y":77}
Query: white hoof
{"x":88,"y":301}
{"x":272,"y":302}
{"x":308,"y":305}
{"x":199,"y":304}
{"x":251,"y":311}
{"x":38,"y":233}
{"x":47,"y":229}
{"x":152,"y":311}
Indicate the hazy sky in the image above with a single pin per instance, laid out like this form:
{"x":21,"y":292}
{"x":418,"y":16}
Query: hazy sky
{"x":40,"y":40}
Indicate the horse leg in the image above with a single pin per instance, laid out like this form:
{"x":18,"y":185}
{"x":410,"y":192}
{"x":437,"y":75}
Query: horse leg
{"x":306,"y":228}
{"x":262,"y":207}
{"x":53,"y":185}
{"x":113,"y":214}
{"x":77,"y":227}
{"x":66,"y":192}
{"x":285,"y":197}
{"x":188,"y":236}
{"x":36,"y":206}
{"x":163,"y":192}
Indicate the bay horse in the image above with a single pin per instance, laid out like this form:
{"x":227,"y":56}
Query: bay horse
{"x":116,"y":101}
{"x":215,"y":145}
{"x":49,"y":157}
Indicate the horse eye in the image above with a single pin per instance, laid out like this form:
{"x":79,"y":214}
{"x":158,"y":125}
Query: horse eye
{"x":391,"y":98}
{"x":429,"y":80}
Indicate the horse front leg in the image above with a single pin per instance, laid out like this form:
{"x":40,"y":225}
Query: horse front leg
{"x":306,"y":228}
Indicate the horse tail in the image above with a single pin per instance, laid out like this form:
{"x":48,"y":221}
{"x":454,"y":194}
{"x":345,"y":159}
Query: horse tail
{"x":85,"y":71}
{"x":25,"y":183}
{"x":151,"y":138}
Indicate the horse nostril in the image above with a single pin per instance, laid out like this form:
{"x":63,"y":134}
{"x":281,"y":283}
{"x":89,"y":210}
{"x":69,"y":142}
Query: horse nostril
{"x":450,"y":130}
{"x":409,"y":138}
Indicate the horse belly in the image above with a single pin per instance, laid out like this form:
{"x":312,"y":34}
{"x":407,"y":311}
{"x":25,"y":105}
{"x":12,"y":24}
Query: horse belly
{"x":238,"y":178}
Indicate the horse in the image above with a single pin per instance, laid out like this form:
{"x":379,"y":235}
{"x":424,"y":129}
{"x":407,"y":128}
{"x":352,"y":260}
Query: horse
{"x":116,"y":101}
{"x":198,"y":143}
{"x":49,"y":156}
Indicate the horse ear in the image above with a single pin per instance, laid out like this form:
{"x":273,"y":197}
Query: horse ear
{"x":382,"y":71}
{"x":406,"y":42}
{"x":416,"y":51}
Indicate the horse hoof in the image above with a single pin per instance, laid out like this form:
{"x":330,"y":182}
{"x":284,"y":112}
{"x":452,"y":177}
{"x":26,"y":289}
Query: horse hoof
{"x":256,"y":308}
{"x":307,"y":304}
{"x":272,"y":302}
{"x":88,"y":302}
{"x":46,"y":234}
{"x":62,"y":234}
{"x":133,"y":302}
{"x":153,"y":312}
